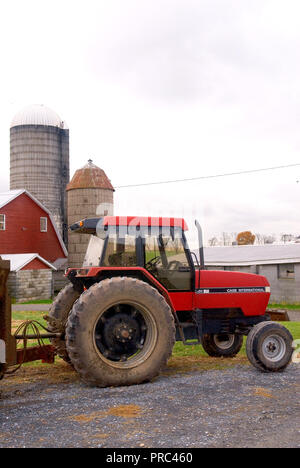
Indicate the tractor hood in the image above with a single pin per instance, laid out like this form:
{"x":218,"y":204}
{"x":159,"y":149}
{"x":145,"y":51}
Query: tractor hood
{"x":232,"y":289}
{"x":232,"y":279}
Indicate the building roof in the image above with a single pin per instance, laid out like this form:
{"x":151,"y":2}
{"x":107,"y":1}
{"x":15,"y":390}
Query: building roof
{"x":37,"y":114}
{"x":240,"y":255}
{"x":10,"y":195}
{"x":19,"y":261}
{"x":90,"y":176}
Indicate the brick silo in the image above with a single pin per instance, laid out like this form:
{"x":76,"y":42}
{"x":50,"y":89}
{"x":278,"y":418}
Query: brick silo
{"x":89,"y":194}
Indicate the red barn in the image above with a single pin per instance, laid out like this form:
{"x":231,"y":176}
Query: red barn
{"x":26,"y":226}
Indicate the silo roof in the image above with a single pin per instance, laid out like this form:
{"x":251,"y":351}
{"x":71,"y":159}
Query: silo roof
{"x":90,"y":176}
{"x":38,"y":114}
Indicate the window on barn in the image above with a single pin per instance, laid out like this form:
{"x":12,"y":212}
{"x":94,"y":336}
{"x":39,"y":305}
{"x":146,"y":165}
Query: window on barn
{"x":286,"y":271}
{"x":43,"y":224}
{"x":2,"y":222}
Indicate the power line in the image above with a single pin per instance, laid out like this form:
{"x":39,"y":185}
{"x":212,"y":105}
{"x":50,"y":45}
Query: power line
{"x":214,"y":176}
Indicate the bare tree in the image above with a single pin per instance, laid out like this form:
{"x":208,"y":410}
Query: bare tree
{"x":269,"y":239}
{"x":262,"y":239}
{"x":259,"y":238}
{"x":226,"y":238}
{"x":286,"y":237}
{"x":213,"y":241}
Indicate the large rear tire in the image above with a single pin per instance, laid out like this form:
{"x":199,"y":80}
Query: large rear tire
{"x":222,"y":345}
{"x":58,"y":316}
{"x":269,"y":347}
{"x":120,"y":332}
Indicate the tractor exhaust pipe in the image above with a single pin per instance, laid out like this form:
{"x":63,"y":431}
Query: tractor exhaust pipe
{"x":200,"y":240}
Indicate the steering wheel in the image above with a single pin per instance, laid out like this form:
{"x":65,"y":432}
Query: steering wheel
{"x":153,"y":262}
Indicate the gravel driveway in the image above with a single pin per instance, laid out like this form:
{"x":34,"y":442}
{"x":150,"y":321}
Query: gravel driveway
{"x":237,"y":407}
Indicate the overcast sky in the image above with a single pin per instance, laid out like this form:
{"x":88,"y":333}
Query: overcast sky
{"x":167,"y":89}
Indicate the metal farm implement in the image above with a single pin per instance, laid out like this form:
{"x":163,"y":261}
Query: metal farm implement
{"x":10,"y":354}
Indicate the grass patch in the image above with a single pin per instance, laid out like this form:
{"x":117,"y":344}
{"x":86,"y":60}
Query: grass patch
{"x":284,"y":305}
{"x":294,"y":328}
{"x":29,"y":315}
{"x":42,"y":301}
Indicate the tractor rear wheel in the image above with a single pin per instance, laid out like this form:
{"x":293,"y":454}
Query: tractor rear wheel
{"x":222,"y":345}
{"x":120,"y":332}
{"x":269,"y":347}
{"x":58,"y":316}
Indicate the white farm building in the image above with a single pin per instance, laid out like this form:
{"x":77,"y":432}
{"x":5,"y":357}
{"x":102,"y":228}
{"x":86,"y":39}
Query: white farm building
{"x":279,"y":263}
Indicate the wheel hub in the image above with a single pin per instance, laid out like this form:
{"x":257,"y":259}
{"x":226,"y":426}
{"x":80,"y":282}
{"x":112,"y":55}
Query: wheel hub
{"x":271,"y":347}
{"x":274,"y":348}
{"x":123,"y":332}
{"x":120,"y":333}
{"x":121,"y":329}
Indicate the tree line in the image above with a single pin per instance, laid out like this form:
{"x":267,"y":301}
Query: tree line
{"x":248,"y":238}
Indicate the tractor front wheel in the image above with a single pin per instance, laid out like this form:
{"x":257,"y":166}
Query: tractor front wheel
{"x":222,"y":345}
{"x":269,"y":347}
{"x":120,"y":332}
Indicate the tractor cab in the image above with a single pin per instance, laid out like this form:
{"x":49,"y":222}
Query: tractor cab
{"x":155,"y":250}
{"x":157,"y":245}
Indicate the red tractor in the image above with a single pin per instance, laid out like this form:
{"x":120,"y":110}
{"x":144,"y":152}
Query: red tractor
{"x":141,"y":289}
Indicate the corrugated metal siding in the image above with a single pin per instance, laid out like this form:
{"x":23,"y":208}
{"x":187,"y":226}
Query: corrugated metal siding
{"x":252,"y":254}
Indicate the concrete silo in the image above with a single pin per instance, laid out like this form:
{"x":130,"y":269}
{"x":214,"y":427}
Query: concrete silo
{"x":89,"y":194}
{"x":39,"y":159}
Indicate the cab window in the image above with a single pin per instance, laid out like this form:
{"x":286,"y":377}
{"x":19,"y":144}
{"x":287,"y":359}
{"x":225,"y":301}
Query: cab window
{"x":120,"y":252}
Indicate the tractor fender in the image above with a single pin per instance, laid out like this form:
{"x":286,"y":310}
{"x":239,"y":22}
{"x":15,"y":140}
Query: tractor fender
{"x":106,"y":272}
